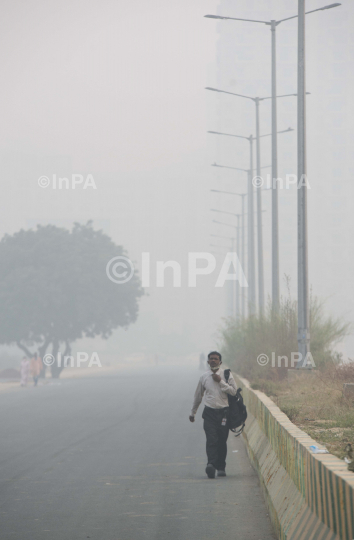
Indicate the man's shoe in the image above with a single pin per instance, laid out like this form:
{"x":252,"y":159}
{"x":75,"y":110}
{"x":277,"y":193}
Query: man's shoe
{"x":210,"y":470}
{"x":221,"y":473}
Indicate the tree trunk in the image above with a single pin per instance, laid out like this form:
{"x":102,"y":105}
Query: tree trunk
{"x":56,"y":369}
{"x":67,"y":351}
{"x":42,"y":350}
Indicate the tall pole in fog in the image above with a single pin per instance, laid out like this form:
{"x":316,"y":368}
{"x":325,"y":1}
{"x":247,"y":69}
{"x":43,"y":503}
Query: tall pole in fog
{"x":275,"y":217}
{"x":237,"y":237}
{"x":243,"y":303}
{"x":237,"y":284}
{"x":230,"y":304}
{"x":243,"y":214}
{"x":256,"y":101}
{"x":251,"y":250}
{"x":303,"y":283}
{"x":251,"y":255}
{"x":303,"y":307}
{"x":259,"y":218}
{"x":233,"y":284}
{"x":250,"y":232}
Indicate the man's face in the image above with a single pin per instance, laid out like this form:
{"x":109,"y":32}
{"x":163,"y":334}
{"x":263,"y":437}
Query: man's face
{"x":214,"y":361}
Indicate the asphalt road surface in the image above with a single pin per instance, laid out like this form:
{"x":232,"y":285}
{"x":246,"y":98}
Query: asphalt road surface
{"x":116,"y":458}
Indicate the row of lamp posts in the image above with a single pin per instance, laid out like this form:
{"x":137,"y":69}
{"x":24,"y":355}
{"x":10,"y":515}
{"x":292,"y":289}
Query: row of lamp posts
{"x":303,"y":307}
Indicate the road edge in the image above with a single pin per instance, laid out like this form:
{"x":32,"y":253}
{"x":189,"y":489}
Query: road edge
{"x":308,"y":495}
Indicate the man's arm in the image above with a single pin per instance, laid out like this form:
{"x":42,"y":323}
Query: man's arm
{"x":198,"y":396}
{"x":229,"y":387}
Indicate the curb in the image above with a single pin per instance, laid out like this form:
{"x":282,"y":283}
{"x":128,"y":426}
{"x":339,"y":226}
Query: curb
{"x":309,"y":496}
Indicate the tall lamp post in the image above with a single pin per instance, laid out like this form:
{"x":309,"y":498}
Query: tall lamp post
{"x":259,"y":219}
{"x":251,"y":247}
{"x":237,"y":231}
{"x":242,"y":195}
{"x":303,"y":335}
{"x":243,"y":260}
{"x":275,"y":232}
{"x":230,"y":296}
{"x":275,"y":253}
{"x":243,"y":214}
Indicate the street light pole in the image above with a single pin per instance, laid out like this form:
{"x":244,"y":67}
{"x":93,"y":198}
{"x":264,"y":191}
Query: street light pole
{"x":230,"y":285}
{"x":243,"y":214}
{"x":303,"y":308}
{"x":259,"y":218}
{"x":243,"y":195}
{"x":237,"y":284}
{"x":243,"y":303}
{"x":257,"y":100}
{"x":251,"y":246}
{"x":242,"y":228}
{"x":243,"y":259}
{"x":251,"y":250}
{"x":303,"y":285}
{"x":237,"y":236}
{"x":275,"y":217}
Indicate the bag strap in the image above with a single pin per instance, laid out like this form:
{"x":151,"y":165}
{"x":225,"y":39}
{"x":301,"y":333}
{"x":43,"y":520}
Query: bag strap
{"x":227,"y":374}
{"x":238,"y":433}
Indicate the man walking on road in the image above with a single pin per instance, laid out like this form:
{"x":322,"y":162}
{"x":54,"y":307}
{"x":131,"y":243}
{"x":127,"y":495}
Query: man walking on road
{"x":213,"y":384}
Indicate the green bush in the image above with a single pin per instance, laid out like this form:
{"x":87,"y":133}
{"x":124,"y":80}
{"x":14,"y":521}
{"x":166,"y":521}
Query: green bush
{"x":291,"y":412}
{"x":242,"y":341}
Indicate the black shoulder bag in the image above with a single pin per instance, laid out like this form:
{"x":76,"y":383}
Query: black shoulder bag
{"x":237,"y":409}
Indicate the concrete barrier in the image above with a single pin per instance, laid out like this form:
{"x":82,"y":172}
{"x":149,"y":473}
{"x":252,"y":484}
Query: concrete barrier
{"x":309,"y":496}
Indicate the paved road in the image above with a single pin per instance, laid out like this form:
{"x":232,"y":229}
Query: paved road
{"x":115,"y":458}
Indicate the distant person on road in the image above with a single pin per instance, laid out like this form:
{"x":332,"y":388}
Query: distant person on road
{"x":36,"y":367}
{"x":24,"y":370}
{"x":202,"y":361}
{"x":212,"y":384}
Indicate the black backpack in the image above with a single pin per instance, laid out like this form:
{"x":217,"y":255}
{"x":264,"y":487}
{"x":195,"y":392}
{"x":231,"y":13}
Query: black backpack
{"x":237,"y":409}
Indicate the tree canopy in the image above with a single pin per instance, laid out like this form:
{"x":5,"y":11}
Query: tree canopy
{"x":54,"y":288}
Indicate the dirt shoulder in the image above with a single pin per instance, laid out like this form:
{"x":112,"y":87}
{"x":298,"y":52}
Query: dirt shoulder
{"x":316,"y":404}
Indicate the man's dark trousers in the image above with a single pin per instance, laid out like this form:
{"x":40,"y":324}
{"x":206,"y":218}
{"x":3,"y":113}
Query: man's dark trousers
{"x":216,"y":436}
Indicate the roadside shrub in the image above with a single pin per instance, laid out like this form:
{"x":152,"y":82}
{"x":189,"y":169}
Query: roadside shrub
{"x":243,"y":341}
{"x":292,"y":412}
{"x":270,"y":388}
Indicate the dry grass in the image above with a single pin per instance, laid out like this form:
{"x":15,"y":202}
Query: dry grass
{"x":315,"y":403}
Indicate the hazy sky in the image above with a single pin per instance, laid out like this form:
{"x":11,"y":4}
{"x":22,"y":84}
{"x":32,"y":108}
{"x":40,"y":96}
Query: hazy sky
{"x":116,"y":89}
